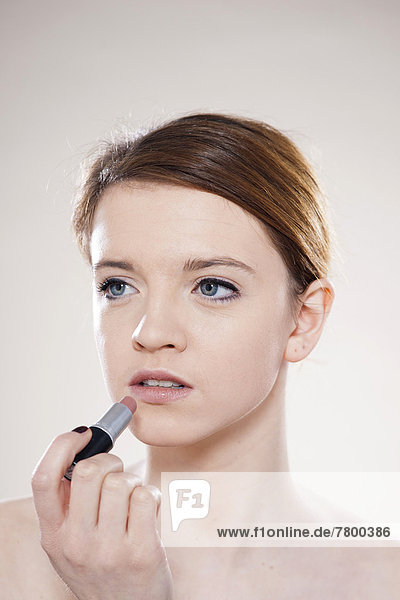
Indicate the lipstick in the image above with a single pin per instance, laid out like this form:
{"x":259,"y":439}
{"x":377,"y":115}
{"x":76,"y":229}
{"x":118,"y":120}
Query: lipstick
{"x":159,"y":395}
{"x":106,"y":431}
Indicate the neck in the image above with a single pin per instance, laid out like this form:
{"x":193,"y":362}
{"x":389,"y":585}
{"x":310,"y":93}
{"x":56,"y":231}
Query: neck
{"x":256,"y":442}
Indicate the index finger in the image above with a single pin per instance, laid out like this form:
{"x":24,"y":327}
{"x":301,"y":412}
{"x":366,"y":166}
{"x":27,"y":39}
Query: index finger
{"x":47,"y":479}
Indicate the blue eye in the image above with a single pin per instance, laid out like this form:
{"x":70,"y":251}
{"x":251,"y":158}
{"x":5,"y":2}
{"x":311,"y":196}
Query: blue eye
{"x":120,"y":286}
{"x":210,"y":282}
{"x":111,"y":283}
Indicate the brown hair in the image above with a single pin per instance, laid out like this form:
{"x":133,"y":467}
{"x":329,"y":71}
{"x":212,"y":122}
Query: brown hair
{"x":243,"y":160}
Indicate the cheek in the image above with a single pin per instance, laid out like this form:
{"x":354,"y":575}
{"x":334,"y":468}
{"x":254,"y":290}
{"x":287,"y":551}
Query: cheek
{"x":109,"y":325}
{"x":241,"y":367}
{"x":112,"y":343}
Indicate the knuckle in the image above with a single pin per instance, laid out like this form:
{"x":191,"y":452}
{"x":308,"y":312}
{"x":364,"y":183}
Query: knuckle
{"x":40,"y":481}
{"x":89,"y":468}
{"x":147,"y":494}
{"x":62,"y":441}
{"x":119,"y":482}
{"x":155,"y":492}
{"x":85,"y":469}
{"x":133,"y":479}
{"x":107,"y":457}
{"x":113,"y":483}
{"x":142,"y":495}
{"x":63,"y":438}
{"x":113,"y":461}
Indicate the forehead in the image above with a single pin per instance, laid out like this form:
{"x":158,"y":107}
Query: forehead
{"x":166,"y":222}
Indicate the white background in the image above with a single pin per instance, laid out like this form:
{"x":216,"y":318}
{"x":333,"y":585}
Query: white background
{"x":326,"y":73}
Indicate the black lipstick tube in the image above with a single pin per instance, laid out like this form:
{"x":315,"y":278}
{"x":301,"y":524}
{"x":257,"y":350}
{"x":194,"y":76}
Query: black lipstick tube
{"x":104,"y":433}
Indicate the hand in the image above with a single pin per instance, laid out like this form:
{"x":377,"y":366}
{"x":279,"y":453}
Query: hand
{"x":99,"y":531}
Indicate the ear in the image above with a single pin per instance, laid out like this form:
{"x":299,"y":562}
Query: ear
{"x":316,"y":304}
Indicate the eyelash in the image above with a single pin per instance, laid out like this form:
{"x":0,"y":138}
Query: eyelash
{"x":104,"y":285}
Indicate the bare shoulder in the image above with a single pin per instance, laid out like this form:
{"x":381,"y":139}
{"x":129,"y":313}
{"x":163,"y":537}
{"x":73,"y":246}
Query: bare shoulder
{"x":25,"y":570}
{"x":383,"y":565}
{"x":369,"y":572}
{"x":337,"y":572}
{"x":18,"y":524}
{"x":20,"y":528}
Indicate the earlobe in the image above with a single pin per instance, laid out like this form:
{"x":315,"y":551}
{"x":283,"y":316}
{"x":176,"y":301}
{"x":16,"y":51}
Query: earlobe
{"x":294,"y":349}
{"x":316,"y":304}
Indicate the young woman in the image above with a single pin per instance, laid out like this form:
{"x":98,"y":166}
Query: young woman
{"x":209,"y":246}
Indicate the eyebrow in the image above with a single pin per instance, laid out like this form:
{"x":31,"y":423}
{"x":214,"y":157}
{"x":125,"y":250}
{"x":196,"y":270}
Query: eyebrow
{"x":191,"y":264}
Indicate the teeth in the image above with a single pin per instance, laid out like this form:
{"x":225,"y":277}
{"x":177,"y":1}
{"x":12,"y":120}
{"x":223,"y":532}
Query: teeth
{"x":156,"y":382}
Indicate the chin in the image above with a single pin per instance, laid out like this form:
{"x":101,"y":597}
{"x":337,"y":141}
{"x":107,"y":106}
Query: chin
{"x":161,"y":434}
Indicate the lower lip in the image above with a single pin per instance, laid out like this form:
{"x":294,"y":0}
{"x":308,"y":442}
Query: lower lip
{"x":158,"y":395}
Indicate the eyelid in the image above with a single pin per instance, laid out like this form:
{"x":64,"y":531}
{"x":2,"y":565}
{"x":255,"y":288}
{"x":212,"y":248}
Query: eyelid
{"x":198,"y":280}
{"x":217,"y":278}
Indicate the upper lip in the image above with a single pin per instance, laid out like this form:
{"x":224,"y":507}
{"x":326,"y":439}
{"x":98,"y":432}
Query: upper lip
{"x":160,"y":374}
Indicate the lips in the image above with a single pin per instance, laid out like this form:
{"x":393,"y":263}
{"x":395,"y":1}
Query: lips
{"x":159,"y":374}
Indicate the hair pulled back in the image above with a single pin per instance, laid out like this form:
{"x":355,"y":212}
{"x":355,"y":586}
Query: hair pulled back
{"x":243,"y":160}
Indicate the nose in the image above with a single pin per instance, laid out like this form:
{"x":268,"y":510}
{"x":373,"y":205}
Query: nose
{"x":160,"y":327}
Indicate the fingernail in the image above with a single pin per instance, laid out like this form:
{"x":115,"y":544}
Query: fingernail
{"x":81,"y":429}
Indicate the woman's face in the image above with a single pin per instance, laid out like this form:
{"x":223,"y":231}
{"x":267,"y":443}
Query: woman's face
{"x":229,"y":351}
